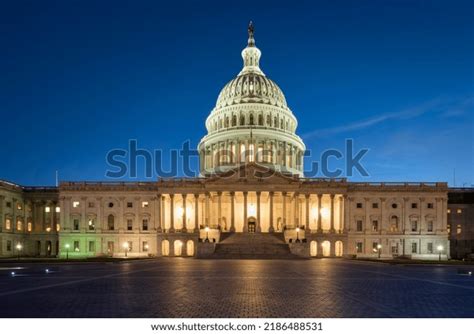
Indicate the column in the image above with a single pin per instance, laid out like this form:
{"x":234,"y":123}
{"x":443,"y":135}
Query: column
{"x":347,"y":213}
{"x":62,"y":208}
{"x":259,"y":225}
{"x":163,"y":211}
{"x":196,"y":213}
{"x":320,"y":226}
{"x":296,"y":222}
{"x":422,"y":227}
{"x":342,"y":213}
{"x":332,"y":213}
{"x":245,"y":212}
{"x":219,"y":209}
{"x":232,"y":211}
{"x":185,"y":216}
{"x":158,"y":213}
{"x":206,"y":209}
{"x":307,"y":227}
{"x":405,"y":218}
{"x":367,"y":218}
{"x":272,"y":228}
{"x":171,"y":213}
{"x":284,"y":210}
{"x":2,"y":220}
{"x":383,"y":220}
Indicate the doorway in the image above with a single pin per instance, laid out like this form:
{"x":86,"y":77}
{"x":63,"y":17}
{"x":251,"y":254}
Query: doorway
{"x":251,"y":225}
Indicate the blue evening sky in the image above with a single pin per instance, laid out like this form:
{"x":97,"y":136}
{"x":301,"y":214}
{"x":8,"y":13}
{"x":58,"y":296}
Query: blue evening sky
{"x":80,"y":78}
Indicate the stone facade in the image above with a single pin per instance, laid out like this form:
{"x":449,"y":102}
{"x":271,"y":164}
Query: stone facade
{"x":461,"y":222}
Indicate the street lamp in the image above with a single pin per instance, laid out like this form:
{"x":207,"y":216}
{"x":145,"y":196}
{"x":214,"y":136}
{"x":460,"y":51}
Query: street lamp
{"x":440,"y":249}
{"x":379,"y":248}
{"x":125,"y":247}
{"x":19,"y":247}
{"x":207,"y":234}
{"x":67,"y":250}
{"x":297,"y":234}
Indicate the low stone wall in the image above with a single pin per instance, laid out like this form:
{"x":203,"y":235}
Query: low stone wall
{"x":205,"y":249}
{"x":300,"y":249}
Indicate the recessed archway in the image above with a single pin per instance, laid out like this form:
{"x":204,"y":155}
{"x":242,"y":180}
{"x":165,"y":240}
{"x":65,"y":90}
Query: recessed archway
{"x":313,"y":248}
{"x":326,"y":248}
{"x":339,"y":248}
{"x":165,"y":248}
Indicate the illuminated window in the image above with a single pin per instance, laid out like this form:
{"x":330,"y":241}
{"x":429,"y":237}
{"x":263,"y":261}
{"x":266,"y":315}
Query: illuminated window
{"x":394,"y":224}
{"x":19,"y":225}
{"x":76,"y":246}
{"x":75,"y":204}
{"x":459,"y":210}
{"x":130,"y":246}
{"x":47,"y":209}
{"x":375,"y":246}
{"x":8,"y":224}
{"x":145,"y":246}
{"x":18,"y":206}
{"x":448,"y":229}
{"x":58,"y":227}
{"x":91,"y":224}
{"x":58,"y":209}
{"x":449,"y":210}
{"x":251,"y":154}
{"x":29,"y":227}
{"x":144,"y":204}
{"x":458,"y":229}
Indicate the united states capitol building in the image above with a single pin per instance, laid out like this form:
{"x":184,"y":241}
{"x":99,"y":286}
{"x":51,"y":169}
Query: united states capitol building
{"x":251,"y":200}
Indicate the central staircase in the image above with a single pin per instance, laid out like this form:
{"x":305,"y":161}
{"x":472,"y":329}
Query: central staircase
{"x":252,"y":246}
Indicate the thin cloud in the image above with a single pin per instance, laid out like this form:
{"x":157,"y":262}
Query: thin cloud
{"x":435,"y":105}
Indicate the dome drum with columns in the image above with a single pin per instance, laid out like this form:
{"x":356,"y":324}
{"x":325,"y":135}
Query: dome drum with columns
{"x":251,"y":122}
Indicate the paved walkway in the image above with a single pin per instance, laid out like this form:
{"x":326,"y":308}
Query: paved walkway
{"x":178,"y":287}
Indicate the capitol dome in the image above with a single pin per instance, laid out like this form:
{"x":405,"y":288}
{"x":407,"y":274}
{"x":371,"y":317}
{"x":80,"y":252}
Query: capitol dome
{"x":251,"y":123}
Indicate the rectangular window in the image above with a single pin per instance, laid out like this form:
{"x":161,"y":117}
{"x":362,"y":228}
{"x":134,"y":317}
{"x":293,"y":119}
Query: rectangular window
{"x":9,"y":245}
{"x":76,"y":224}
{"x":75,"y":204}
{"x":130,"y":246}
{"x":8,"y":224}
{"x":375,"y":225}
{"x":129,"y":224}
{"x":448,"y":229}
{"x":129,"y":205}
{"x":414,"y":225}
{"x":47,"y":209}
{"x":449,"y":211}
{"x":429,"y":226}
{"x":91,"y":246}
{"x":19,"y":225}
{"x":374,"y":246}
{"x":458,"y":229}
{"x":144,"y":204}
{"x":414,"y":247}
{"x":58,"y":209}
{"x":359,"y":247}
{"x":18,"y":206}
{"x":429,"y":248}
{"x":91,"y":204}
{"x":375,"y":205}
{"x":430,"y":205}
{"x":145,"y":246}
{"x":110,"y":247}
{"x":359,"y":205}
{"x":9,"y":204}
{"x":414,"y":205}
{"x":359,"y":225}
{"x":29,"y":227}
{"x":145,"y":225}
{"x":459,"y":210}
{"x":91,"y":224}
{"x":76,"y":246}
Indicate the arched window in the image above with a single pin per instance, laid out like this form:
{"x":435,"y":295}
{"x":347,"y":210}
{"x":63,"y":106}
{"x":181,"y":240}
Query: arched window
{"x":393,"y":223}
{"x":242,"y":120}
{"x":234,"y":120}
{"x":339,"y":248}
{"x":111,"y":222}
{"x":178,"y":248}
{"x":190,"y":248}
{"x":260,"y":120}
{"x":275,"y":122}
{"x":313,"y":248}
{"x":165,"y":248}
{"x":226,"y":123}
{"x":251,"y":119}
{"x":281,"y":124}
{"x":269,"y":120}
{"x":326,"y":246}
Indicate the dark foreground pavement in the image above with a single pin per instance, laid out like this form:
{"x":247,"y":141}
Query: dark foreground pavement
{"x":178,"y":287}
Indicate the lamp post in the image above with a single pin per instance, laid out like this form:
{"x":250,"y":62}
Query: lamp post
{"x":19,"y":247}
{"x":207,"y":234}
{"x":379,"y":248}
{"x":297,"y":234}
{"x":125,"y":248}
{"x":440,"y":249}
{"x":67,"y":250}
